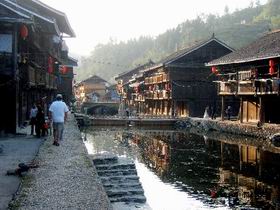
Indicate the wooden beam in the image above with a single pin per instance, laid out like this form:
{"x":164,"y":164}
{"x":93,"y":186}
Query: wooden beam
{"x":241,"y":110}
{"x":223,"y":109}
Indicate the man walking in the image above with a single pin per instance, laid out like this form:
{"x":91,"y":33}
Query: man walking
{"x":58,"y":115}
{"x":33,"y":113}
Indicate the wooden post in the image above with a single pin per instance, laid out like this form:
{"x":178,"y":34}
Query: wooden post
{"x":261,"y":111}
{"x":223,"y":109}
{"x":16,"y":79}
{"x":241,"y":110}
{"x":240,"y":157}
{"x":222,"y":153}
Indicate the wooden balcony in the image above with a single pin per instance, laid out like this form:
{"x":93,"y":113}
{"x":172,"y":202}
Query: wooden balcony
{"x":53,"y":82}
{"x":40,"y":77}
{"x":31,"y":76}
{"x":158,"y":95}
{"x":249,"y":87}
{"x":227,"y":88}
{"x":139,"y":98}
{"x":157,"y":79}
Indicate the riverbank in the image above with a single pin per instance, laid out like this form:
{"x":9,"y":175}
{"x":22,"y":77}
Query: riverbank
{"x":233,"y":127}
{"x":65,"y":179}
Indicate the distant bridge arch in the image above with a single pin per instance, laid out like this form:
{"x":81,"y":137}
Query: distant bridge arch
{"x":100,"y":108}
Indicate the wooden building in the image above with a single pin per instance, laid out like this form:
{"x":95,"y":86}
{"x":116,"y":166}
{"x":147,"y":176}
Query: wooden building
{"x":65,"y":80}
{"x":92,"y":89}
{"x":31,"y":51}
{"x":252,"y":74}
{"x":180,"y":84}
{"x":130,"y":86}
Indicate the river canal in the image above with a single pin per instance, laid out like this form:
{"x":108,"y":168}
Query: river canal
{"x":179,"y":170}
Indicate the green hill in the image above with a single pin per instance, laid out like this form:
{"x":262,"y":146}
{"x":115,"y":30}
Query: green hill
{"x":236,"y":29}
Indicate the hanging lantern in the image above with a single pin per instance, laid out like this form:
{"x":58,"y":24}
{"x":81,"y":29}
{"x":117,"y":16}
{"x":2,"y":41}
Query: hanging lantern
{"x":23,"y":32}
{"x":50,"y":65}
{"x":63,"y":69}
{"x":272,"y":67}
{"x":214,"y":70}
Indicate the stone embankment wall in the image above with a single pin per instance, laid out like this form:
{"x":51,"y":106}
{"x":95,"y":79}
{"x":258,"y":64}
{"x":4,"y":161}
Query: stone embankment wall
{"x":233,"y":127}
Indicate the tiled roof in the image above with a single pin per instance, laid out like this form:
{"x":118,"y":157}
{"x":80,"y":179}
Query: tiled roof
{"x":195,"y":46}
{"x":60,"y":17}
{"x":134,"y":71}
{"x":94,"y":79}
{"x":29,"y":14}
{"x":265,"y":47}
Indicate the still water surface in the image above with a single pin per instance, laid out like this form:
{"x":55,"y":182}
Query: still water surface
{"x":180,"y":170}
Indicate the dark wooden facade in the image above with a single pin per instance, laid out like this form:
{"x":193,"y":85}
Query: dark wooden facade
{"x":30,"y":56}
{"x":180,"y":85}
{"x":252,"y":74}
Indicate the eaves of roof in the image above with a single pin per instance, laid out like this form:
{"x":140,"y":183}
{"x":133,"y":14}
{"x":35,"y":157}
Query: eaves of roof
{"x":266,"y":47}
{"x":29,"y":14}
{"x":241,"y":61}
{"x":65,"y":25}
{"x":191,"y":49}
{"x":24,"y":15}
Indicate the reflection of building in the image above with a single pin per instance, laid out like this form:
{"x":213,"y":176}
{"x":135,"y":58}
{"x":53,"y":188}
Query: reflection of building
{"x":177,"y":156}
{"x":254,"y":174}
{"x":252,"y":73}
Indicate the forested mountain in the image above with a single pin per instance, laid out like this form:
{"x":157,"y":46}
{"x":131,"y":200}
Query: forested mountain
{"x":236,"y":29}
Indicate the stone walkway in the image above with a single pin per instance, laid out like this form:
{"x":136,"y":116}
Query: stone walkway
{"x":14,"y":150}
{"x":65,"y":179}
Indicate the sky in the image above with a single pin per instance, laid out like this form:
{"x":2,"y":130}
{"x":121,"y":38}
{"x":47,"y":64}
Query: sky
{"x":98,"y":21}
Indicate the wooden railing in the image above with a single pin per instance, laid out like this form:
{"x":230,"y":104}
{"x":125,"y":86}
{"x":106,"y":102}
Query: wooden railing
{"x":157,"y":95}
{"x":244,"y":75}
{"x":139,"y":97}
{"x":40,"y":77}
{"x":157,"y":79}
{"x":31,"y":76}
{"x":250,"y":87}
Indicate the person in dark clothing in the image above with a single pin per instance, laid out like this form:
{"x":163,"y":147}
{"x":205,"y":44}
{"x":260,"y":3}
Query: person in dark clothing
{"x":228,"y":112}
{"x":213,"y":112}
{"x":40,"y":121}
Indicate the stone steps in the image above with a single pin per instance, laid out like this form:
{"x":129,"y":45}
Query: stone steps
{"x":129,"y":199}
{"x":124,"y":192}
{"x":122,"y":185}
{"x":115,"y":166}
{"x":117,"y":172}
{"x":119,"y":178}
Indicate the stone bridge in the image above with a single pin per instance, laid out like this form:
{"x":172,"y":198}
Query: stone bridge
{"x":100,"y":108}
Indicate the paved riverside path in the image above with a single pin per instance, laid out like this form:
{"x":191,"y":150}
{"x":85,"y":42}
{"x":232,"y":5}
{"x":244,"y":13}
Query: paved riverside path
{"x":14,"y":150}
{"x":65,"y":179}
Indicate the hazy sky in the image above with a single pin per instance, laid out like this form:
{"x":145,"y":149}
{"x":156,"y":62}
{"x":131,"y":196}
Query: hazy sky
{"x":96,"y":21}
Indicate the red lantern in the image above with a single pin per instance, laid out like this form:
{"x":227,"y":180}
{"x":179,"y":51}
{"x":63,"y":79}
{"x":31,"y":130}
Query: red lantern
{"x":23,"y":32}
{"x":63,"y":69}
{"x":214,"y":70}
{"x":272,"y":67}
{"x":50,"y":65}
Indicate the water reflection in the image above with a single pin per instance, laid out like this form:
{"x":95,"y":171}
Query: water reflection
{"x":205,"y":171}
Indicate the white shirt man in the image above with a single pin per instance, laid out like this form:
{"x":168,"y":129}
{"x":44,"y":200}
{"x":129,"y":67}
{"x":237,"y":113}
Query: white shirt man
{"x":58,"y":115}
